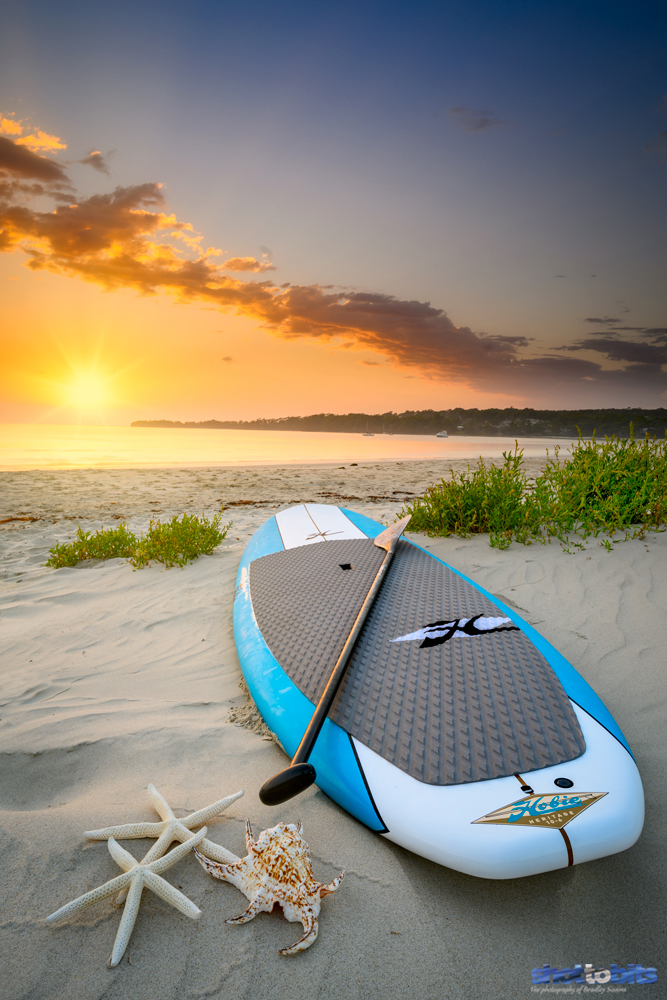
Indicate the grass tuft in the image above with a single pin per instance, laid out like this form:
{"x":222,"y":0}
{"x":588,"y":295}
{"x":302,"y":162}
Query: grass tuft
{"x":601,"y":488}
{"x":174,"y":543}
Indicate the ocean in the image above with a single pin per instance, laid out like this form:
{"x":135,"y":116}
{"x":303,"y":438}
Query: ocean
{"x":51,"y":446}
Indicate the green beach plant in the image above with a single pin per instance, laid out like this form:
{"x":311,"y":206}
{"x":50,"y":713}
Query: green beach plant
{"x":619,"y":485}
{"x":173,"y":543}
{"x":493,"y":499}
{"x":605,"y":487}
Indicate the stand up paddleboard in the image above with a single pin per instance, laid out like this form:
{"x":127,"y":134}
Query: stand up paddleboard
{"x":458,"y":732}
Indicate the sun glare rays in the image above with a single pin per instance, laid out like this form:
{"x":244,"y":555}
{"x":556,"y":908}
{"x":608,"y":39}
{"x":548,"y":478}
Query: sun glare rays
{"x":92,"y":391}
{"x":87,"y":391}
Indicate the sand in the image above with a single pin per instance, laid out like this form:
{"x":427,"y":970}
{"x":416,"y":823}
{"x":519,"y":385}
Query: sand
{"x":113,"y":678}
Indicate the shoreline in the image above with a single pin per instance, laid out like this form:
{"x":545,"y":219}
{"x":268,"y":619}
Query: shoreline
{"x":456,"y":462}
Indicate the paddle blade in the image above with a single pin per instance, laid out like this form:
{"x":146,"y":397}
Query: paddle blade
{"x":388,"y":538}
{"x":286,"y":784}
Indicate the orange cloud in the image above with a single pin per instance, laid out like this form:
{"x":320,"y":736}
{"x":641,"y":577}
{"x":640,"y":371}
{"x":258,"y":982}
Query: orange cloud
{"x":247,"y":264}
{"x":42,"y":140}
{"x":10,"y":127}
{"x":119,"y":240}
{"x":123,"y":240}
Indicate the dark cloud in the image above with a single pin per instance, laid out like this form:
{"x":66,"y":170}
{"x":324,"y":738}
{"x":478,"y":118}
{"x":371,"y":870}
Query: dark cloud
{"x":125,"y":239}
{"x":565,"y":369}
{"x":508,"y":341}
{"x":371,"y":364}
{"x":13,"y":190}
{"x":475,"y":120}
{"x":636,"y":352}
{"x":657,"y":334}
{"x":659,"y":146}
{"x":228,"y":358}
{"x":568,"y":381}
{"x":96,"y":160}
{"x":614,"y":332}
{"x":19,"y":161}
{"x":80,"y":237}
{"x":412,"y":334}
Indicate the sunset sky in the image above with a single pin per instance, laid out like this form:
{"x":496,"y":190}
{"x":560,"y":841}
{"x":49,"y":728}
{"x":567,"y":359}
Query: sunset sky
{"x":231,"y":211}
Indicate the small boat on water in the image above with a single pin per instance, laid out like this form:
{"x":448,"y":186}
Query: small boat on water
{"x":442,"y":434}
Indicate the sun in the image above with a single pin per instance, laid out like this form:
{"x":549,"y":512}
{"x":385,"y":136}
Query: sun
{"x":87,"y":391}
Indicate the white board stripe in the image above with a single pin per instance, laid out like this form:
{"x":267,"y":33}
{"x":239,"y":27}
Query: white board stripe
{"x":314,"y":522}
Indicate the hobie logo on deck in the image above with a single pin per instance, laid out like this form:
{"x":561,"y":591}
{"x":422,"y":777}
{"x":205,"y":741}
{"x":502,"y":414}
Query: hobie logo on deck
{"x":543,"y":810}
{"x":459,"y":628}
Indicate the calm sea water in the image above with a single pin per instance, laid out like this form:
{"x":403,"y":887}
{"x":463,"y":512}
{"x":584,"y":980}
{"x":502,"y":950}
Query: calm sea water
{"x":41,"y":446}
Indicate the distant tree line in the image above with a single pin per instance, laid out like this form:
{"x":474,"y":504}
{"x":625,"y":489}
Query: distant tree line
{"x":499,"y":422}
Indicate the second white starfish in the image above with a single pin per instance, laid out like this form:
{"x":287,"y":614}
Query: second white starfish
{"x":169,"y":830}
{"x":135,"y":876}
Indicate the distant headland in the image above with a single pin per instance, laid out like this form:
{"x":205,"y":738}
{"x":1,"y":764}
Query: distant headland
{"x":492,"y":422}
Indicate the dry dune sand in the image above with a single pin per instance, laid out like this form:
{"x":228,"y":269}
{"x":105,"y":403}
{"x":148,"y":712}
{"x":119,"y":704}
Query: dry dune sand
{"x":114,"y":678}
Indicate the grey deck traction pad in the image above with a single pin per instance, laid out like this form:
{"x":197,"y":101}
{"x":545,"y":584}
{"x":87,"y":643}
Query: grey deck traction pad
{"x":470,"y":709}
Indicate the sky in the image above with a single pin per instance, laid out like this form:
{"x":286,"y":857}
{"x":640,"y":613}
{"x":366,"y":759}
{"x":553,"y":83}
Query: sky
{"x":237,"y":211}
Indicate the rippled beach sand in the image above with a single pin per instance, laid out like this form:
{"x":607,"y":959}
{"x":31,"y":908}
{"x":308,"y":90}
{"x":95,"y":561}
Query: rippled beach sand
{"x":55,"y":502}
{"x":114,"y":678}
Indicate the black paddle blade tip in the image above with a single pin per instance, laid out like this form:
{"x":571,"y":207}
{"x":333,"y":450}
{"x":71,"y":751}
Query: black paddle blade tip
{"x":286,"y":784}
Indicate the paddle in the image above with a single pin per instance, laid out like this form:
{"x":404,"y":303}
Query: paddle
{"x":300,"y":774}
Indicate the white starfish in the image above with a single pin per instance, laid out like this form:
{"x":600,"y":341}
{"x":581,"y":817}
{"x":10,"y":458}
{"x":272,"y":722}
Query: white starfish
{"x":169,"y":830}
{"x":135,"y":876}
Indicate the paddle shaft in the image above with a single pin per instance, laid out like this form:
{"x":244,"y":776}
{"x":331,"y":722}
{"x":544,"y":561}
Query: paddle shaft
{"x":305,"y":747}
{"x":300,"y":774}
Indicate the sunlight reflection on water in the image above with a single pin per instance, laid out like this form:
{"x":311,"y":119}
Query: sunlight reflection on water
{"x":41,"y":446}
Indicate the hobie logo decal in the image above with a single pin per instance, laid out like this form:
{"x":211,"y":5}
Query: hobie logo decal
{"x":553,"y":811}
{"x":459,"y":628}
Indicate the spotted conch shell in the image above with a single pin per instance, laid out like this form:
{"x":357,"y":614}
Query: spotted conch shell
{"x":278,"y":869}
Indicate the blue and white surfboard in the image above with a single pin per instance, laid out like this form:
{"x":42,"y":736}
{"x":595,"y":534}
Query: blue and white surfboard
{"x":458,"y":731}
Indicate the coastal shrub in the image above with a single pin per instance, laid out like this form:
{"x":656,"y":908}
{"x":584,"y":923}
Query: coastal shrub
{"x":619,"y":484}
{"x":173,"y":543}
{"x":605,"y":487}
{"x":111,"y":543}
{"x":178,"y":542}
{"x":493,"y":499}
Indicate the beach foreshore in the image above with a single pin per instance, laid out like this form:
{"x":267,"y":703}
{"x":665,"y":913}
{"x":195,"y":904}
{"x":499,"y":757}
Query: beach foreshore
{"x":113,"y":678}
{"x":89,"y":493}
{"x":56,"y":502}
